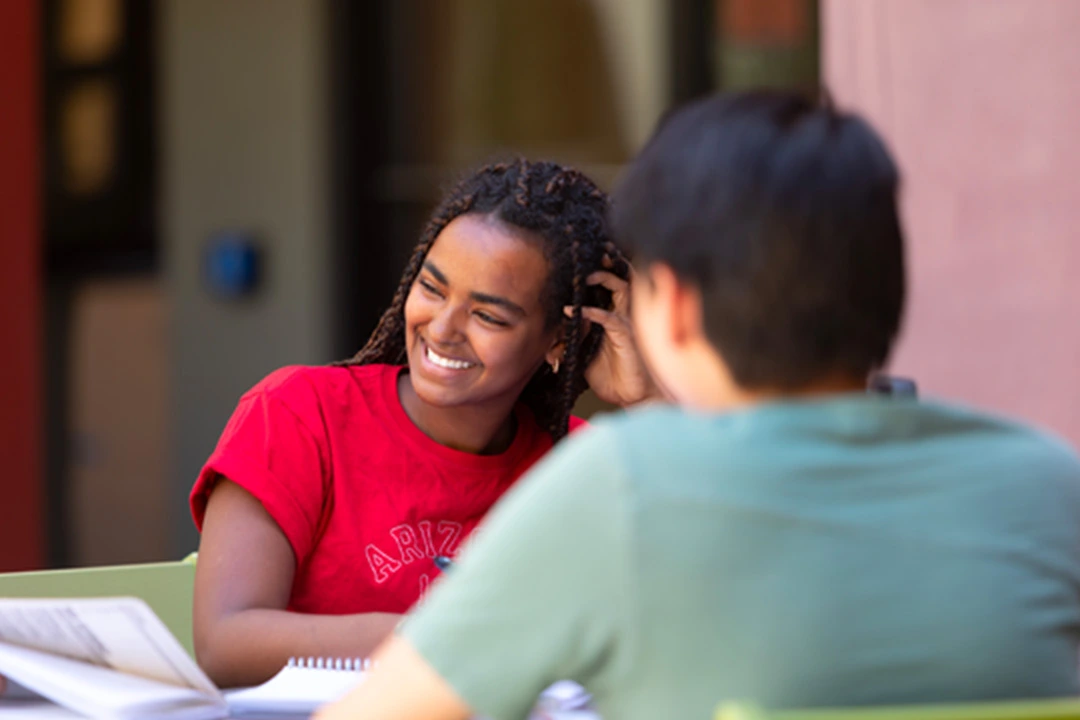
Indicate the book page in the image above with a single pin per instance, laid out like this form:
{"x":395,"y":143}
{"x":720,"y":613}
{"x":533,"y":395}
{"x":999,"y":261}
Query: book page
{"x":101,"y":692}
{"x":34,"y":709}
{"x":122,"y":634}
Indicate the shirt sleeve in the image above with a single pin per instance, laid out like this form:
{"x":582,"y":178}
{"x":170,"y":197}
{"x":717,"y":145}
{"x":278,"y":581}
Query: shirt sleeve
{"x":270,"y":451}
{"x":538,"y":595}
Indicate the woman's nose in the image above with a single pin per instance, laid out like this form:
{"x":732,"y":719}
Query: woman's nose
{"x":443,"y":328}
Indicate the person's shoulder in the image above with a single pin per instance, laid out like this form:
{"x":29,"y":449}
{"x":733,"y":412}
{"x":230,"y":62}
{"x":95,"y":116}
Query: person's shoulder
{"x":1007,"y":442}
{"x":307,"y":389}
{"x":620,"y":434}
{"x":282,"y":380}
{"x":293,"y":380}
{"x":653,"y":423}
{"x":1026,"y":436}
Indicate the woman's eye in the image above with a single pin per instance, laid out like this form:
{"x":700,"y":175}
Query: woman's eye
{"x":491,"y":320}
{"x":429,"y":287}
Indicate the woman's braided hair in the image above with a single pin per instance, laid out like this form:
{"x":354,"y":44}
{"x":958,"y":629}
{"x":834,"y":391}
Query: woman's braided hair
{"x":568,"y":212}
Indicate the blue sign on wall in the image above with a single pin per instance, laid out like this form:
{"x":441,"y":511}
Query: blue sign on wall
{"x":232,"y":264}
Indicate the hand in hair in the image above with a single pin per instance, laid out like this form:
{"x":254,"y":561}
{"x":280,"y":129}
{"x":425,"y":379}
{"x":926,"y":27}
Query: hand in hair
{"x":617,"y":374}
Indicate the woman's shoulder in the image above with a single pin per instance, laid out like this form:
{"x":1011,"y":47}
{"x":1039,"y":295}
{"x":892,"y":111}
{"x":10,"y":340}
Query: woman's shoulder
{"x":297,"y":381}
{"x":320,"y":391}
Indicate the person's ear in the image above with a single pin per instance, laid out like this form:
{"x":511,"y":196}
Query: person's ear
{"x":679,"y":303}
{"x":554,"y":356}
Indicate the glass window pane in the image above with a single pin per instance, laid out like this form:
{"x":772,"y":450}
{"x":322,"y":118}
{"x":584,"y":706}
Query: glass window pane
{"x":89,"y":30}
{"x":87,"y":137}
{"x":576,"y":80}
{"x":766,"y":42}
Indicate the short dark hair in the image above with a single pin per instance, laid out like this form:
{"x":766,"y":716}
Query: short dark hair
{"x":783,"y":213}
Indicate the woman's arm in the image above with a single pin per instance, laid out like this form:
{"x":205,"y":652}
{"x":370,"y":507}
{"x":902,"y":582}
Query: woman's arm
{"x":243,"y":581}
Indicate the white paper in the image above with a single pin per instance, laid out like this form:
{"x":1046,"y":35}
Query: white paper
{"x":33,"y":709}
{"x":101,"y":692}
{"x":302,"y":690}
{"x":298,"y":690}
{"x":123,"y":634}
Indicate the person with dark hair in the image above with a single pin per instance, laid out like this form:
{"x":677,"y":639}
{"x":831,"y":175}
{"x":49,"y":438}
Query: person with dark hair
{"x":783,"y":537}
{"x":332,"y":489}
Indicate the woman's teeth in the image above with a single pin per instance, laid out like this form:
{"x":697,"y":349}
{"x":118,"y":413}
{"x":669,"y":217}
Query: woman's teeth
{"x":447,"y":363}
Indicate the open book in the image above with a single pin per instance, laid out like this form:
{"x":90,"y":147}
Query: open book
{"x":103,"y":657}
{"x":113,"y":658}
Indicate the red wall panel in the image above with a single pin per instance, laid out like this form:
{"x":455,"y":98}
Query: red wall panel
{"x":21,"y":476}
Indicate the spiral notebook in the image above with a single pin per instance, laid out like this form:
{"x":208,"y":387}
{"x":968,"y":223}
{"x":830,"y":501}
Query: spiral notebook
{"x":305,"y":684}
{"x":300,"y":687}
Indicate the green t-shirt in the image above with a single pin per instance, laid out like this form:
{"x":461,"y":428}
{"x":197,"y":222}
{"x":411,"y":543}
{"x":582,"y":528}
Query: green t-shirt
{"x":846,"y":551}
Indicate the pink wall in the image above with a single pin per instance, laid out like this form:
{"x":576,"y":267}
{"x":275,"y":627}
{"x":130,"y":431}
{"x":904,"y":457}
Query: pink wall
{"x":980,"y":101}
{"x":21,"y":516}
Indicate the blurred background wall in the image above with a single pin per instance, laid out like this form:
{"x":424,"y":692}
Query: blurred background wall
{"x":245,"y":155}
{"x":197,"y":192}
{"x":980,"y":99}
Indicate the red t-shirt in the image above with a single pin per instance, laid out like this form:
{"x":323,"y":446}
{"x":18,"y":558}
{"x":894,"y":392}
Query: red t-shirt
{"x":365,"y":498}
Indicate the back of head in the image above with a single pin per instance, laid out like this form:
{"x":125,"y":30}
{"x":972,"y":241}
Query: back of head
{"x":783,"y":214}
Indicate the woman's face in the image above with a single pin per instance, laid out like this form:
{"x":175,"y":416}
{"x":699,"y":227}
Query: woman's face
{"x":475,"y":326}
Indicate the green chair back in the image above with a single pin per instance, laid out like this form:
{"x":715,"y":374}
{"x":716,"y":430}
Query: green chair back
{"x":167,"y":587}
{"x":1052,"y":709}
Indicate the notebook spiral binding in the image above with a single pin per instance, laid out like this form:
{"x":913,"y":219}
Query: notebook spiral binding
{"x":324,"y":663}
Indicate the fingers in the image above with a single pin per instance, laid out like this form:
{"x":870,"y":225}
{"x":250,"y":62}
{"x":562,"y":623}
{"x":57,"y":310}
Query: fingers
{"x":609,"y":263}
{"x":610,"y":321}
{"x":620,"y":289}
{"x":611,"y":281}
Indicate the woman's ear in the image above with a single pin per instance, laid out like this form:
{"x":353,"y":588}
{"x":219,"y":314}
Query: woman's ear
{"x":554,"y":355}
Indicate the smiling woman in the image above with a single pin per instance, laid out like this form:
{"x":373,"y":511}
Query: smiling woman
{"x":526,"y":226}
{"x":333,"y":489}
{"x":476,"y":331}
